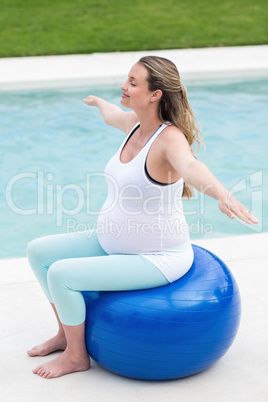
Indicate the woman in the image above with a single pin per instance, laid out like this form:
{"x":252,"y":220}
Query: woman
{"x":147,"y":177}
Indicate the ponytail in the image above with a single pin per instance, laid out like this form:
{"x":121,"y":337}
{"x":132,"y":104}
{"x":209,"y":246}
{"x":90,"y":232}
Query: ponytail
{"x":174,"y":105}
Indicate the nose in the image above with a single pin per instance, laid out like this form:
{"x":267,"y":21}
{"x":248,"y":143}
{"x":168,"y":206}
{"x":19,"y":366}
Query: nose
{"x":123,"y":87}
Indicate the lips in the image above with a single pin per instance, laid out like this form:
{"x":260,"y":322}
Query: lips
{"x":124,"y":95}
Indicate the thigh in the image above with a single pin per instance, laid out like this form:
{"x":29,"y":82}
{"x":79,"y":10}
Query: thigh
{"x":107,"y":273}
{"x":49,"y":249}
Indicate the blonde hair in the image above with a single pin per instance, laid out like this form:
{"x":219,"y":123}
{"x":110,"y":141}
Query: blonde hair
{"x":174,"y":106}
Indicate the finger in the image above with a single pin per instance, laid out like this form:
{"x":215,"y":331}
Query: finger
{"x":246,"y":216}
{"x":243,"y":215}
{"x":228,"y":212}
{"x":87,"y":99}
{"x":231,"y":211}
{"x":250,"y":216}
{"x":235,"y":208}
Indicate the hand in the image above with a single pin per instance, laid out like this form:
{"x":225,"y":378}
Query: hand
{"x":230,"y":206}
{"x":91,"y":100}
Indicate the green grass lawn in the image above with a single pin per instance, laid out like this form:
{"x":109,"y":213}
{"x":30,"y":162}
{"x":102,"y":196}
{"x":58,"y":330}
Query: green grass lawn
{"x":46,"y":27}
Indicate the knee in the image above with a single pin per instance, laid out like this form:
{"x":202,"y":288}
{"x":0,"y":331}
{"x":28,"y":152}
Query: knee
{"x":38,"y":252}
{"x":56,"y":275}
{"x":33,"y":250}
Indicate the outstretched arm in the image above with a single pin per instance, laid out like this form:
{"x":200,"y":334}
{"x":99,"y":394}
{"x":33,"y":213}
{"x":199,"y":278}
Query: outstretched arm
{"x":201,"y":178}
{"x":112,"y":114}
{"x":197,"y":174}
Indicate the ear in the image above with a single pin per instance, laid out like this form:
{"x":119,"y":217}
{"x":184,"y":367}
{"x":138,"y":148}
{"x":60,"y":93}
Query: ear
{"x":156,"y":95}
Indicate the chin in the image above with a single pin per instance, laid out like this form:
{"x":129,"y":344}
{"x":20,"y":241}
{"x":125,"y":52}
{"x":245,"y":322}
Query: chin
{"x":122,"y":101}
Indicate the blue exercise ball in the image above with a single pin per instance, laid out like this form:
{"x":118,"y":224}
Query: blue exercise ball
{"x":168,"y":332}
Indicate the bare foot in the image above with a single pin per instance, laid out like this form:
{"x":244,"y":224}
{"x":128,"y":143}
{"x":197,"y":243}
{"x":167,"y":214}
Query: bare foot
{"x":63,"y":364}
{"x":58,"y":342}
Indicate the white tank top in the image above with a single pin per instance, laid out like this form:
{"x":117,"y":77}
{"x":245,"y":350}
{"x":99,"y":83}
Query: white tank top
{"x":141,"y":216}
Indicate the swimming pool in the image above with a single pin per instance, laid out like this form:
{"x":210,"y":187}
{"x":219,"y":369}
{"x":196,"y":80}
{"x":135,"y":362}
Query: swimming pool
{"x":54,"y":149}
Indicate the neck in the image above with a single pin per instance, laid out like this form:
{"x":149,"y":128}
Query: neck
{"x":148,"y":123}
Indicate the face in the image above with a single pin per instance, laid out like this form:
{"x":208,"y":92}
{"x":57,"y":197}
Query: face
{"x":136,"y":95}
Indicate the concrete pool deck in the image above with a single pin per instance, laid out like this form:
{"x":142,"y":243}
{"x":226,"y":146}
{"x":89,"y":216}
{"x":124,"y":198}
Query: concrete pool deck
{"x":26,"y":319}
{"x":102,"y":69}
{"x":240,"y":375}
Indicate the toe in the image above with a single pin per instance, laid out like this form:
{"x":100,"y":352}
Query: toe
{"x":33,"y":352}
{"x":35,"y":371}
{"x":40,"y":371}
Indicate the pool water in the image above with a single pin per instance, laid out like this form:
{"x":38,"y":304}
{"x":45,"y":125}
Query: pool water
{"x":54,"y":149}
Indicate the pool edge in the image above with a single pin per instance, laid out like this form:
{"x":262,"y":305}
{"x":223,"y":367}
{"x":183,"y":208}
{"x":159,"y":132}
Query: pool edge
{"x":101,"y":69}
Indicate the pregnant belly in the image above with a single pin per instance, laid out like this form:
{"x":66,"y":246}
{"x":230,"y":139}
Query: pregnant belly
{"x":138,"y":234}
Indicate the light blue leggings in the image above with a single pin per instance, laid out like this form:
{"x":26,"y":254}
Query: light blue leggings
{"x":67,"y":264}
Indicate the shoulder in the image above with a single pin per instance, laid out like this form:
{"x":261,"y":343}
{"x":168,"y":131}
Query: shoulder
{"x":173,"y":136}
{"x":174,"y":145}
